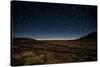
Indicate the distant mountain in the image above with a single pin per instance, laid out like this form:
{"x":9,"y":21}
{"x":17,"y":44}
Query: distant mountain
{"x":23,"y":40}
{"x":90,"y":37}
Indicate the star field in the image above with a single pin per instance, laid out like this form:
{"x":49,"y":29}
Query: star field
{"x":52,"y":21}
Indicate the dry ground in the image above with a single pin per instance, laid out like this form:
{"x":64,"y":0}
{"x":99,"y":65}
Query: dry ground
{"x":51,"y":52}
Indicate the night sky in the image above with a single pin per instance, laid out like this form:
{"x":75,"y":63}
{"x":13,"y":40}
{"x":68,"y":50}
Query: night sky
{"x":52,"y":21}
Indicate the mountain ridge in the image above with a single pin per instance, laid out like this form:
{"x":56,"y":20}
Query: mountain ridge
{"x":89,"y":37}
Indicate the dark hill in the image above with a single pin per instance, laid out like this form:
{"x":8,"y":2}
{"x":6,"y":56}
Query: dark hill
{"x":90,"y":37}
{"x":24,"y":40}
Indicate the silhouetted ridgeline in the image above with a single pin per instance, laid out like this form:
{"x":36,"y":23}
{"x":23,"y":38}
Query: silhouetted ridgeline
{"x":23,"y":40}
{"x":90,"y":37}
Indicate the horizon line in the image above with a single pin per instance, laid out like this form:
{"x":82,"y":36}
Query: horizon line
{"x":48,"y":38}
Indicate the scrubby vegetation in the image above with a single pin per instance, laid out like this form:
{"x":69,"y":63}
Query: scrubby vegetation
{"x":33,"y":52}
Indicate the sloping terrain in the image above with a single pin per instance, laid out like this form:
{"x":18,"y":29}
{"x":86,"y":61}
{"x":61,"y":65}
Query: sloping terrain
{"x":26,"y":51}
{"x":90,"y":37}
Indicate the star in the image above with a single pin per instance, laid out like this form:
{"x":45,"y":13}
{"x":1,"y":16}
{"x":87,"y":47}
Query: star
{"x":73,"y":8}
{"x":65,"y":16}
{"x":53,"y":7}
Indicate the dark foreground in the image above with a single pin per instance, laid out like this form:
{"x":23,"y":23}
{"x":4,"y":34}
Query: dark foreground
{"x":32,"y":52}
